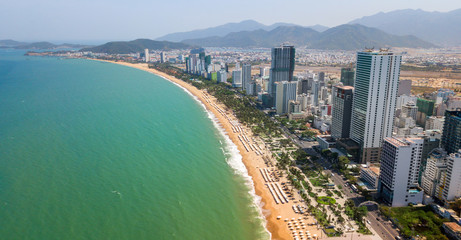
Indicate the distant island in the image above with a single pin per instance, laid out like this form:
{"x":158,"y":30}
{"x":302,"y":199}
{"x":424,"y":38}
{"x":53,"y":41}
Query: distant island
{"x":8,"y":43}
{"x":135,"y":46}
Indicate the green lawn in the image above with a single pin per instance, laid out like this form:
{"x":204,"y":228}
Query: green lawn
{"x":326,"y":200}
{"x":317,"y":182}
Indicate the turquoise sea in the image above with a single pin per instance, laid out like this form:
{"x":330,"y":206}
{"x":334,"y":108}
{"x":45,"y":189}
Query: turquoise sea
{"x":92,"y":150}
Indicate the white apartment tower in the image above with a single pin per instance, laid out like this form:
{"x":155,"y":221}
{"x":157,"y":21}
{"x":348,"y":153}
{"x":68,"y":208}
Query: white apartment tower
{"x":398,"y":178}
{"x":284,"y":92}
{"x":373,"y":107}
{"x":146,"y":55}
{"x":436,"y":167}
{"x":452,"y":188}
{"x":237,"y":77}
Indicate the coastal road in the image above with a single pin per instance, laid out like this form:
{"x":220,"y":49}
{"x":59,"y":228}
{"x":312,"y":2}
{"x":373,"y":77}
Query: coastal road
{"x":384,"y":228}
{"x":381,"y":226}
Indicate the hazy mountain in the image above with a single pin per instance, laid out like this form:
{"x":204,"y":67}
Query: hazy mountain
{"x":36,"y":45}
{"x":10,"y":43}
{"x":345,"y":37}
{"x":319,"y":28}
{"x":351,"y":37}
{"x":436,"y":27}
{"x":259,"y":38}
{"x":135,"y":46}
{"x":220,"y":31}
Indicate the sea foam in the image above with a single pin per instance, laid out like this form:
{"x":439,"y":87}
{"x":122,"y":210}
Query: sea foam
{"x":233,"y":157}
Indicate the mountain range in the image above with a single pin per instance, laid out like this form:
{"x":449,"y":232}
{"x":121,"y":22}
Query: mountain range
{"x":138,"y":45}
{"x":343,"y":37}
{"x":8,"y":43}
{"x":223,"y":30}
{"x":440,"y":28}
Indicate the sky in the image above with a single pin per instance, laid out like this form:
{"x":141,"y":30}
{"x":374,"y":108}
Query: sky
{"x":98,"y":21}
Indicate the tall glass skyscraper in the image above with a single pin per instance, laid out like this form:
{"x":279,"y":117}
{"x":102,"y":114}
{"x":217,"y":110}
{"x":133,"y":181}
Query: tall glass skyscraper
{"x":373,"y":107}
{"x":282,"y":66}
{"x":342,"y":109}
{"x":246,"y":76}
{"x":451,"y":138}
{"x":347,"y":76}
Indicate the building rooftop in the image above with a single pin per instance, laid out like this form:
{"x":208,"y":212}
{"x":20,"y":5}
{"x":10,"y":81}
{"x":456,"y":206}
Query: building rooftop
{"x":375,"y":170}
{"x":345,"y":87}
{"x":376,"y":52}
{"x":396,"y":142}
{"x":453,"y":226}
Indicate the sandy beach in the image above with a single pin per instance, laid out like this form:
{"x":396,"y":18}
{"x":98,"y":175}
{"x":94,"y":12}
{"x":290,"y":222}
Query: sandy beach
{"x":268,"y":184}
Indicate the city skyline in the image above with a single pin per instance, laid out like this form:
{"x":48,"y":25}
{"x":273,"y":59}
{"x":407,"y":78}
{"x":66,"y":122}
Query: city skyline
{"x":84,"y":21}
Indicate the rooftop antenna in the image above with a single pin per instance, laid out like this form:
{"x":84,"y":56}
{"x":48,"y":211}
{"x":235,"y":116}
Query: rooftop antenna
{"x":369,"y":49}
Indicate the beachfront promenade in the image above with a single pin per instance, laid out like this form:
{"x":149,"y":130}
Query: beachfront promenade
{"x":289,"y":211}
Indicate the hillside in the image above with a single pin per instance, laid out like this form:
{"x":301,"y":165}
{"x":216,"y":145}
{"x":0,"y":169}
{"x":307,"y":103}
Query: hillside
{"x":223,"y":30}
{"x":353,"y":37}
{"x":135,"y":46}
{"x":36,"y":45}
{"x":343,"y":37}
{"x":436,"y":27}
{"x":10,"y":43}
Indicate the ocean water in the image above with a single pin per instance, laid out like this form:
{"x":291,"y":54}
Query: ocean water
{"x":92,"y":150}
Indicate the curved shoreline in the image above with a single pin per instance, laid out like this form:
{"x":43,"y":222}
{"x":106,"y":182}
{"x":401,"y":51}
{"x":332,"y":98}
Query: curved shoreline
{"x":241,"y":170}
{"x":251,"y":160}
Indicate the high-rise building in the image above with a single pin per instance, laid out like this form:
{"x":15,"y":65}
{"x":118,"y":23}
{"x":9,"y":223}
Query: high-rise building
{"x":436,"y":167}
{"x":321,"y":76}
{"x":452,"y":188}
{"x":404,"y":88}
{"x":163,"y":57}
{"x":409,"y":110}
{"x":404,"y":99}
{"x":451,"y":137}
{"x":222,"y":76}
{"x":304,"y":86}
{"x":434,"y":122}
{"x":373,"y":107}
{"x":398,"y":178}
{"x":347,"y":76}
{"x":146,"y":55}
{"x":282,"y":66}
{"x":445,"y":93}
{"x":425,"y":110}
{"x":246,"y":76}
{"x":285,"y":91}
{"x":237,"y":77}
{"x":263,"y":71}
{"x":342,"y":111}
{"x":316,"y":92}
